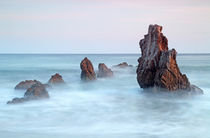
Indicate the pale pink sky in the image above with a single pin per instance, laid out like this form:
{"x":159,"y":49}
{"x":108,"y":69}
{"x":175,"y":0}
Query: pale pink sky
{"x":101,"y":26}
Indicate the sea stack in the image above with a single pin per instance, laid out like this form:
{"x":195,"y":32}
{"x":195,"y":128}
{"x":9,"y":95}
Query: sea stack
{"x":157,"y":65}
{"x":104,"y":71}
{"x":88,"y":72}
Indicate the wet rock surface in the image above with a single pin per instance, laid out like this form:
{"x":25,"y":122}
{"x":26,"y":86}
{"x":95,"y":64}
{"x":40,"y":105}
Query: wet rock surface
{"x":104,"y":71}
{"x":157,"y":65}
{"x":88,"y":72}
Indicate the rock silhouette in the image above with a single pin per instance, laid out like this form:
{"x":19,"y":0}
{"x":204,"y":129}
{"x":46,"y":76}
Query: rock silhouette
{"x":88,"y":72}
{"x":157,"y":65}
{"x":104,"y":71}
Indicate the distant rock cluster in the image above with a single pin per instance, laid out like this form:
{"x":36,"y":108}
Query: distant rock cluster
{"x":158,"y":67}
{"x":88,"y":72}
{"x":36,"y":90}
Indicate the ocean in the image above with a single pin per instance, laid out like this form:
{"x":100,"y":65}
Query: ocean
{"x":106,"y":108}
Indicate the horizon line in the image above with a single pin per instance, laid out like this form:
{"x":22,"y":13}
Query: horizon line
{"x":83,"y":53}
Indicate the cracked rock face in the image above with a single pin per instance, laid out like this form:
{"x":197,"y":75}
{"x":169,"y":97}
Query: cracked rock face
{"x":88,"y":72}
{"x":157,"y":65}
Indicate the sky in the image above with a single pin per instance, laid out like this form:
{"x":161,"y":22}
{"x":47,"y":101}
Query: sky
{"x":101,"y":26}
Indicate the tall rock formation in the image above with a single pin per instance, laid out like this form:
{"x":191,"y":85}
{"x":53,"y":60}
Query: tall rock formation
{"x":88,"y":72}
{"x":157,"y":65}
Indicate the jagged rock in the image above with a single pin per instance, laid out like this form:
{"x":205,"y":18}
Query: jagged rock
{"x":88,"y":72}
{"x":123,"y":65}
{"x":56,"y":79}
{"x":157,"y":65}
{"x":24,"y":85}
{"x":37,"y":91}
{"x":104,"y":71}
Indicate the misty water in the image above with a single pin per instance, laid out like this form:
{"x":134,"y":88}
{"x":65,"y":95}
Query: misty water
{"x":106,"y":108}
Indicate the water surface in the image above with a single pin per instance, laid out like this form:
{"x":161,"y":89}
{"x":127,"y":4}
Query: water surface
{"x":107,"y":108}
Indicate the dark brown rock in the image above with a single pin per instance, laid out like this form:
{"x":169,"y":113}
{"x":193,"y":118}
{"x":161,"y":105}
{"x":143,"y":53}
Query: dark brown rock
{"x":24,"y":85}
{"x":37,"y":91}
{"x":88,"y":72}
{"x":104,"y":71}
{"x":157,"y":65}
{"x":56,"y":79}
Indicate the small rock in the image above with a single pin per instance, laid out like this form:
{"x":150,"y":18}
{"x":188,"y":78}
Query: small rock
{"x":104,"y":71}
{"x":36,"y":91}
{"x":88,"y":72}
{"x":56,"y":79}
{"x":123,"y":65}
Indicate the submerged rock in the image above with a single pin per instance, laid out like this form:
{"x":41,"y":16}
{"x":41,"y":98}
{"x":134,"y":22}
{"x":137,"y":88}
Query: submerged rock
{"x":104,"y":71}
{"x":88,"y":72}
{"x":35,"y":92}
{"x":16,"y":101}
{"x":24,"y":85}
{"x":56,"y":79}
{"x":157,"y":65}
{"x":123,"y":65}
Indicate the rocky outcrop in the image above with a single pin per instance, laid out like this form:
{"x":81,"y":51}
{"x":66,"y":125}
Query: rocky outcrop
{"x":123,"y":65}
{"x":35,"y":92}
{"x":24,"y":85}
{"x":157,"y":65}
{"x":104,"y":71}
{"x":56,"y":79}
{"x":88,"y":72}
